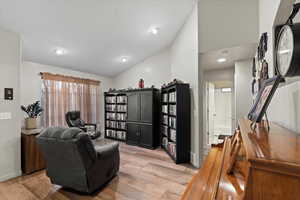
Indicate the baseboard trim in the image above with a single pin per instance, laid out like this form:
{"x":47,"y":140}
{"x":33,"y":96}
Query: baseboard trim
{"x":10,"y":176}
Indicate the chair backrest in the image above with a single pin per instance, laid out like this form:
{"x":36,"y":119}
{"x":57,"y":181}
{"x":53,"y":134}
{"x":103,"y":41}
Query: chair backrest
{"x":68,"y":152}
{"x":73,"y":119}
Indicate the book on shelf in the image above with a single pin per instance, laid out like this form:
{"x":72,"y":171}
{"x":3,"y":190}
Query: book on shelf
{"x":164,"y":109}
{"x":165,"y":142}
{"x":172,"y":109}
{"x":110,"y":124}
{"x":172,"y":149}
{"x":173,"y":135}
{"x":121,"y":108}
{"x":165,"y":97}
{"x":122,"y":99}
{"x":121,"y":116}
{"x":116,"y":134}
{"x":121,"y":125}
{"x":110,"y":107}
{"x":165,"y":119}
{"x":121,"y":135}
{"x":172,"y":122}
{"x":164,"y":130}
{"x":111,"y":99}
{"x":172,"y":96}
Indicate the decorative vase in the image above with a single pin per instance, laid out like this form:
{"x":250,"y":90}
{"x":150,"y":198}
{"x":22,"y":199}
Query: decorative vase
{"x":30,"y":123}
{"x":141,"y":83}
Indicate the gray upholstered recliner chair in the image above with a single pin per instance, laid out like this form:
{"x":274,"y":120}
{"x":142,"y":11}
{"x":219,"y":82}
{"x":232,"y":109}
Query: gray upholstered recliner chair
{"x":74,"y":162}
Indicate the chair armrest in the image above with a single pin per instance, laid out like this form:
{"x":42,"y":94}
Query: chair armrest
{"x":107,"y":150}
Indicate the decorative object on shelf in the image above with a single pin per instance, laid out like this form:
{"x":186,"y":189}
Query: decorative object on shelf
{"x":287,"y":37}
{"x":112,"y":90}
{"x":141,"y":83}
{"x":263,"y":99}
{"x":175,"y":81}
{"x":175,"y":121}
{"x":33,"y":111}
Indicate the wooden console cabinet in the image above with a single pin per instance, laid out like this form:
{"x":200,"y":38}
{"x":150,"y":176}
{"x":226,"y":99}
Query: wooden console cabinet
{"x":31,"y":157}
{"x":250,"y":165}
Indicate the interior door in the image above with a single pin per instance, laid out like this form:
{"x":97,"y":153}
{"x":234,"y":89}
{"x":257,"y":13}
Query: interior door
{"x":133,"y":107}
{"x":146,"y":106}
{"x":133,"y":134}
{"x":146,"y":138}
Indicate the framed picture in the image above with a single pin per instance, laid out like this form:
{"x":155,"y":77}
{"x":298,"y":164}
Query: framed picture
{"x":264,"y":98}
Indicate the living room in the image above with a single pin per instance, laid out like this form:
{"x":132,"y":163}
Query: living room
{"x":105,"y":72}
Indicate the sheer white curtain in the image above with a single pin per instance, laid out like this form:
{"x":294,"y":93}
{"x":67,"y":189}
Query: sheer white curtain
{"x":63,"y":95}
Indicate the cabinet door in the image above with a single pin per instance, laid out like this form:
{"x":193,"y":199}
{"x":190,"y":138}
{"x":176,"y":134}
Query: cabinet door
{"x":146,"y":107}
{"x":146,"y":138}
{"x":133,"y":107}
{"x":133,"y":134}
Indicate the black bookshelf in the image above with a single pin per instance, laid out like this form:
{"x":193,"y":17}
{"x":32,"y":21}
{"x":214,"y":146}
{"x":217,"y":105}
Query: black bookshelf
{"x":176,"y":121}
{"x":115,"y":115}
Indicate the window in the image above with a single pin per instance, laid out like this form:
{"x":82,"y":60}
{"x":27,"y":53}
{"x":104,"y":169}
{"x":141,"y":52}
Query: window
{"x":61,"y":94}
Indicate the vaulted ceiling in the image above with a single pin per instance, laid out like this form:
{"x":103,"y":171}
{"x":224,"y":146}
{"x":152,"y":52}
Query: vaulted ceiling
{"x":95,"y":34}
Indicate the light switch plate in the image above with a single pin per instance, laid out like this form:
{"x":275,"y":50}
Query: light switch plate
{"x":5,"y":115}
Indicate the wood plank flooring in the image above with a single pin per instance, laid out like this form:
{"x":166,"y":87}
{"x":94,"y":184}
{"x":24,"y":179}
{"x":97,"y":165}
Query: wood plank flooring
{"x":144,"y":175}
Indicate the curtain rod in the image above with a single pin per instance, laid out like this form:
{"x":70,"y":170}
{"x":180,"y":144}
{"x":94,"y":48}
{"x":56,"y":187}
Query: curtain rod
{"x":59,"y":77}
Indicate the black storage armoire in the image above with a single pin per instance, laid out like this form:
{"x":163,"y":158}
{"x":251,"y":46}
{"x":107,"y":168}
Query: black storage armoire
{"x":143,"y":118}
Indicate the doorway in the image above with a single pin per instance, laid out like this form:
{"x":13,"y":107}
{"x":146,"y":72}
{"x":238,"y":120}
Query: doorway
{"x":219,"y":103}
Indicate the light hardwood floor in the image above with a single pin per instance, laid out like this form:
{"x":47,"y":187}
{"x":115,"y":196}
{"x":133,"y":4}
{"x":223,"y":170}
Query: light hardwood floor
{"x":144,"y":175}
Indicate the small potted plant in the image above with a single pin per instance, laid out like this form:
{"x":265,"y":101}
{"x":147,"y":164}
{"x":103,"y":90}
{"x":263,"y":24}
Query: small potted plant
{"x":33,"y":111}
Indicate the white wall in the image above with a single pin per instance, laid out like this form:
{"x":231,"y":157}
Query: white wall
{"x":242,"y":85}
{"x":31,"y":83}
{"x":219,"y":75}
{"x":10,"y":137}
{"x":285,"y":105}
{"x":229,"y":23}
{"x":184,"y":66}
{"x":155,"y":70}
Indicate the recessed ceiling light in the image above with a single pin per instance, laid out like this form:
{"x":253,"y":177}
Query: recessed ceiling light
{"x":221,"y":60}
{"x":60,"y":51}
{"x":154,"y":31}
{"x":124,"y":59}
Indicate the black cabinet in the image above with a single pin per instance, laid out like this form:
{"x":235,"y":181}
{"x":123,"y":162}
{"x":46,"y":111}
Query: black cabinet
{"x":146,"y":136}
{"x":146,"y":107}
{"x":134,"y":107}
{"x":133,"y":133}
{"x":143,"y":118}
